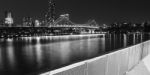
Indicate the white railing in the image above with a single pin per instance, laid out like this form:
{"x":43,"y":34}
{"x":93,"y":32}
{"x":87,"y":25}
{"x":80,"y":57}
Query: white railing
{"x":74,"y":26}
{"x":115,"y":63}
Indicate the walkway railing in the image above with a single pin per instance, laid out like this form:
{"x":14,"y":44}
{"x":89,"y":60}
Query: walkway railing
{"x":115,"y":63}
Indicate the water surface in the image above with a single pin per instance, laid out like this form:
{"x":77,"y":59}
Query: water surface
{"x":31,"y":55}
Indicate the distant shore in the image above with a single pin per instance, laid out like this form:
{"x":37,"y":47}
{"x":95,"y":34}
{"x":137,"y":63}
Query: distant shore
{"x":13,"y":32}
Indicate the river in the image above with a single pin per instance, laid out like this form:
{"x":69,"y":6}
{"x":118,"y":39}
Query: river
{"x":32,"y":55}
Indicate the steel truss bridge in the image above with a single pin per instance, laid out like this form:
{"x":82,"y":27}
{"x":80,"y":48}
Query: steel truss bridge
{"x":65,"y":22}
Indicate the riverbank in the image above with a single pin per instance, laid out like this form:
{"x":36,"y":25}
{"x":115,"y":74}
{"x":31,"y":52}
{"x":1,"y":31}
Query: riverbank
{"x":12,"y":32}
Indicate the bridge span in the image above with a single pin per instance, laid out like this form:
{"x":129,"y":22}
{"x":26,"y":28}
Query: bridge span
{"x":75,"y":26}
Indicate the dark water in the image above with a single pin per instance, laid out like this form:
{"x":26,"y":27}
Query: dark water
{"x":23,"y":56}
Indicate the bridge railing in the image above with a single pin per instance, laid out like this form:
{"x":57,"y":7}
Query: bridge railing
{"x":80,"y":26}
{"x":115,"y":63}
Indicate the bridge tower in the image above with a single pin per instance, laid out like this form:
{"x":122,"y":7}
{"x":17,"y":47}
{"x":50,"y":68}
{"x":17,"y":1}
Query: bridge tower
{"x":92,"y":23}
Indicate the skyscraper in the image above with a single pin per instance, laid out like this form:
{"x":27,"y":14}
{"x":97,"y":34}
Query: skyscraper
{"x":50,"y":15}
{"x":8,"y":18}
{"x":28,"y":22}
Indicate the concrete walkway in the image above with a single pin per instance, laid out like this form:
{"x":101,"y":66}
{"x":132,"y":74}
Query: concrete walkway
{"x":143,"y":68}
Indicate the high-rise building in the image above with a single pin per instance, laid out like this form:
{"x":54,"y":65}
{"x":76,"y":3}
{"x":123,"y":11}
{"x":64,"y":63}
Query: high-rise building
{"x":50,"y":15}
{"x":8,"y":18}
{"x":37,"y":23}
{"x":28,"y":22}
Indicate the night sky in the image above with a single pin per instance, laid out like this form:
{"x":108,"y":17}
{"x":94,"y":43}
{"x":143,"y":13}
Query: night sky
{"x":103,"y":11}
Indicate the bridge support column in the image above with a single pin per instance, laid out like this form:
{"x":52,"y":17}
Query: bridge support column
{"x":91,"y":31}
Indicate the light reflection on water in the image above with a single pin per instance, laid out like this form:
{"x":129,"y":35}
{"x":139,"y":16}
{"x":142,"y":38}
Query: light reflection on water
{"x":124,"y":40}
{"x":31,"y":54}
{"x":1,"y":59}
{"x":10,"y":56}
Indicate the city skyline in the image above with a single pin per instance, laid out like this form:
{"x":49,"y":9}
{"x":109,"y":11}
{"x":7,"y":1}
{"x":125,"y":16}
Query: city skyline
{"x":80,"y":10}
